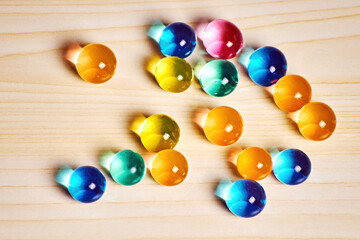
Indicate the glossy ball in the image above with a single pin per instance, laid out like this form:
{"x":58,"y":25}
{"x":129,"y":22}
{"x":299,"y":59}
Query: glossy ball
{"x":177,"y":39}
{"x":159,"y":132}
{"x":174,"y":74}
{"x":246,"y":198}
{"x":127,"y":168}
{"x":219,"y":78}
{"x":292,"y":166}
{"x":169,"y":167}
{"x":223,"y":126}
{"x":316,"y":121}
{"x":266,"y":66}
{"x":254,"y":163}
{"x":87,"y":184}
{"x":96,"y":63}
{"x":222,"y":39}
{"x":291,"y":93}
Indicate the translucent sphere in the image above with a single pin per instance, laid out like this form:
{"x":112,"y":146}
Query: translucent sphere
{"x":159,"y":132}
{"x":127,"y":167}
{"x":266,"y":66}
{"x":246,"y":198}
{"x":219,"y":78}
{"x":174,"y":74}
{"x":177,"y":39}
{"x":292,"y":166}
{"x":87,"y":184}
{"x":291,"y":93}
{"x":169,"y":167}
{"x":96,"y":63}
{"x":316,"y":121}
{"x":223,"y":126}
{"x":222,"y":39}
{"x":254,"y":163}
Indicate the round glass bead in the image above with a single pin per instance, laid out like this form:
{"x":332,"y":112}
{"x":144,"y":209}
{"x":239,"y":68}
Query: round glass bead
{"x":219,"y":77}
{"x":316,"y":121}
{"x":96,"y":63}
{"x":159,"y":132}
{"x":246,"y":198}
{"x":127,"y":167}
{"x":222,"y":39}
{"x":291,"y":93}
{"x":223,"y":126}
{"x":86,"y":184}
{"x":174,"y":74}
{"x":169,"y":167}
{"x":266,"y":66}
{"x":292,"y":166}
{"x":254,"y":163}
{"x":177,"y":39}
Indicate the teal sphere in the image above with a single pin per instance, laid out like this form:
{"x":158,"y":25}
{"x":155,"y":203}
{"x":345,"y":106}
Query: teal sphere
{"x":127,"y":167}
{"x":219,"y":77}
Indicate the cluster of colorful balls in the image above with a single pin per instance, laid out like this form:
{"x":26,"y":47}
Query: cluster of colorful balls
{"x":222,"y":125}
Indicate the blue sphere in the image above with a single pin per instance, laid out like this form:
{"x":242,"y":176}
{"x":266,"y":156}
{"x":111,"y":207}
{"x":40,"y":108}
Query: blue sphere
{"x":177,"y":39}
{"x":87,"y":184}
{"x":266,"y":66}
{"x":292,"y":166}
{"x":246,"y":198}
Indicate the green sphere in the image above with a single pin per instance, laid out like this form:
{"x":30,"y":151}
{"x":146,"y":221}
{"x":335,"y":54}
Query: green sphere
{"x":219,"y":78}
{"x":127,"y":167}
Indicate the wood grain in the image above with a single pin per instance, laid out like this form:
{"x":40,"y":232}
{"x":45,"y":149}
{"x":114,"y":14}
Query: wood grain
{"x":50,"y":117}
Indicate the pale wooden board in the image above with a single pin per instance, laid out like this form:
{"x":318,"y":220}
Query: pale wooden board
{"x":50,"y":117}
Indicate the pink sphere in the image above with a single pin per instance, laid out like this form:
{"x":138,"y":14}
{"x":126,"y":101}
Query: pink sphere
{"x":222,"y":39}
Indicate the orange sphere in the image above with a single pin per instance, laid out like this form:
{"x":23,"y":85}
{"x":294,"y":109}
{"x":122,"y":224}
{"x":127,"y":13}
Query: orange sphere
{"x":316,"y":121}
{"x":169,"y":167}
{"x":254,"y":163}
{"x":291,"y":93}
{"x":223,"y":126}
{"x":96,"y":63}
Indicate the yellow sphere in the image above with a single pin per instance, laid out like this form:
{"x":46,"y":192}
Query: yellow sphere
{"x":291,"y":93}
{"x":316,"y":121}
{"x":169,"y":167}
{"x":159,"y":132}
{"x":254,"y":163}
{"x":96,"y":63}
{"x":174,"y":74}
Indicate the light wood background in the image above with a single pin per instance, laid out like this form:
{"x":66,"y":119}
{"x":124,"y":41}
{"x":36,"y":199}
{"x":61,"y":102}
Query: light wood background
{"x":49,"y":117}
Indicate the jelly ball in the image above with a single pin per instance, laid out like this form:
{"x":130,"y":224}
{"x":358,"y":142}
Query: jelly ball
{"x":292,"y":166}
{"x":223,"y":126}
{"x":174,"y":74}
{"x":266,"y":66}
{"x":177,"y":39}
{"x":254,"y":163}
{"x":96,"y":63}
{"x":316,"y":121}
{"x":246,"y":198}
{"x":127,"y":167}
{"x":222,"y":39}
{"x":159,"y":132}
{"x":169,"y":167}
{"x":86,"y":184}
{"x":219,"y":78}
{"x":291,"y":93}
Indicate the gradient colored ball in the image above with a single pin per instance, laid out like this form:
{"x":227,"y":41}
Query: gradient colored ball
{"x":316,"y":121}
{"x":254,"y":163}
{"x":246,"y":198}
{"x":292,"y":166}
{"x":96,"y":63}
{"x":222,"y":39}
{"x":266,"y":66}
{"x":177,"y":39}
{"x":219,"y":78}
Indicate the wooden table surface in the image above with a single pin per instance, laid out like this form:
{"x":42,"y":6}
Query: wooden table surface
{"x":50,"y":117}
